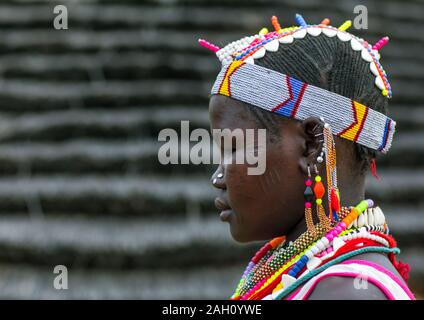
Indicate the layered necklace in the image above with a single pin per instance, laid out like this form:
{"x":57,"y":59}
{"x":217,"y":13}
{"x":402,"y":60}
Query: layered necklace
{"x":279,"y":264}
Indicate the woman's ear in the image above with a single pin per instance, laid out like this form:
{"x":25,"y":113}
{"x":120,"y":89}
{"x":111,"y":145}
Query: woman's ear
{"x":312,"y":132}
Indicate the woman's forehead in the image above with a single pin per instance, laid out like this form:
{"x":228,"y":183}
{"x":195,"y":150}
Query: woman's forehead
{"x":227,"y":112}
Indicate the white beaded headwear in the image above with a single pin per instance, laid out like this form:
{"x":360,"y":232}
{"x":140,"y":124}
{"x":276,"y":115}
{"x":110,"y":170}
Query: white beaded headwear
{"x":242,"y":80}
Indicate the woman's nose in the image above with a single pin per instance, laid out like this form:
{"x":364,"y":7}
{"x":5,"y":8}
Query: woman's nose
{"x":217,"y":178}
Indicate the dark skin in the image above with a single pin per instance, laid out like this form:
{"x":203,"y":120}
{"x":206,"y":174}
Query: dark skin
{"x":261,"y":207}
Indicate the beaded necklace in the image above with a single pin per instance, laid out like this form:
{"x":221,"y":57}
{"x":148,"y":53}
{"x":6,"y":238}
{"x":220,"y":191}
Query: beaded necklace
{"x":276,"y":258}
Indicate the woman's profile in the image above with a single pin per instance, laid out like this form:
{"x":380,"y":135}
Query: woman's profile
{"x":322,"y":95}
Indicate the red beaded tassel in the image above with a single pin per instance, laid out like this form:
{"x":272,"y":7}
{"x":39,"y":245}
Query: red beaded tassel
{"x":373,"y":169}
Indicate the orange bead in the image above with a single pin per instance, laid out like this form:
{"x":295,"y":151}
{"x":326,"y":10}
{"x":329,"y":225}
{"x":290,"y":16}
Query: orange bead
{"x":326,"y":21}
{"x":319,"y":190}
{"x":275,"y":23}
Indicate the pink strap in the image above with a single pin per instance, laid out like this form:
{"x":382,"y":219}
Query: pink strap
{"x":385,"y":271}
{"x":377,"y":283}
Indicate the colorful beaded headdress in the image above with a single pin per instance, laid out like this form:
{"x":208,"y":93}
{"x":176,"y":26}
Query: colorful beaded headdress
{"x":240,"y":78}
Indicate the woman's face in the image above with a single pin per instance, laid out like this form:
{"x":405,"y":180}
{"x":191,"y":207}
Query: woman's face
{"x":259,"y":207}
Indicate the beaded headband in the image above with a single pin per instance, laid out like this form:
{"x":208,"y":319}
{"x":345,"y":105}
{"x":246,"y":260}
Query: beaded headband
{"x":289,"y":97}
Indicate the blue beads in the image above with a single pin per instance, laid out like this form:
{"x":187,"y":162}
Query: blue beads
{"x":292,"y":273}
{"x":300,"y":20}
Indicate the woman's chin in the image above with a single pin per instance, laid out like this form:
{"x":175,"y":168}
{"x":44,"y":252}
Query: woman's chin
{"x":241,"y":235}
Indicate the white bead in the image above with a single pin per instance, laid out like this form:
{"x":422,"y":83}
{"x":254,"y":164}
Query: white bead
{"x":378,"y":217}
{"x":374,"y":69}
{"x":287,"y":280}
{"x":287,"y":39}
{"x":314,"y":249}
{"x":309,"y":254}
{"x":355,"y":223}
{"x":320,"y":245}
{"x":361,"y":221}
{"x":268,"y":297}
{"x":320,"y":159}
{"x":313,"y":263}
{"x":379,"y":83}
{"x":272,"y":45}
{"x":344,"y":36}
{"x":329,"y":32}
{"x":259,"y":53}
{"x":371,"y":221}
{"x":299,"y":34}
{"x":365,"y":215}
{"x":325,"y":241}
{"x":366,"y":55}
{"x":356,"y":45}
{"x":314,"y":31}
{"x":337,"y":243}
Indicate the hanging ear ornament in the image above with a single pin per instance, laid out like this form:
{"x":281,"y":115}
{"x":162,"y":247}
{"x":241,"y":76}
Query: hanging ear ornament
{"x":309,"y":197}
{"x":331,"y":168}
{"x":319,"y":192}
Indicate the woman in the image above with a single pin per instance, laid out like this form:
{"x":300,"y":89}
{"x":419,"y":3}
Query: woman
{"x":322,"y":96}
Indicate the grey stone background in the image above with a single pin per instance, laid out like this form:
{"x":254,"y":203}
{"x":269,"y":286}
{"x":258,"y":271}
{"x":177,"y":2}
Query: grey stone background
{"x":80,"y":110}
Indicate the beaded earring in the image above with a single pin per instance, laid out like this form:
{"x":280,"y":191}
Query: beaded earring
{"x":319,"y":192}
{"x":332,"y":189}
{"x":309,"y":196}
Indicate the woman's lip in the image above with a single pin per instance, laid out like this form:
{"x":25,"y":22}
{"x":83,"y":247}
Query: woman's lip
{"x":220,"y":204}
{"x":225,"y":215}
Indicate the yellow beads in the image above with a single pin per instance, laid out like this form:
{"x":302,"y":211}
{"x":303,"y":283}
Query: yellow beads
{"x":263,"y":31}
{"x":278,"y":287}
{"x":384,"y":92}
{"x":346,"y":25}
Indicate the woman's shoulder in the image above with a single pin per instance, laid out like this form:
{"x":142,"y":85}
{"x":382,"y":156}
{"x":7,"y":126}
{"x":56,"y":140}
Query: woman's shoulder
{"x":369,"y":276}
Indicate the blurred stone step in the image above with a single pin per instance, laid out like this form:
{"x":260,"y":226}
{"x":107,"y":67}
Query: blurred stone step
{"x":138,"y":65}
{"x":397,"y":186}
{"x":146,"y":195}
{"x":19,"y":96}
{"x":149,"y":243}
{"x":407,"y":117}
{"x":100,"y":123}
{"x":407,"y":150}
{"x":121,"y":195}
{"x":108,"y":66}
{"x":90,"y":157}
{"x":83,"y":40}
{"x":32,"y":282}
{"x":117,"y":244}
{"x":180,"y":15}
